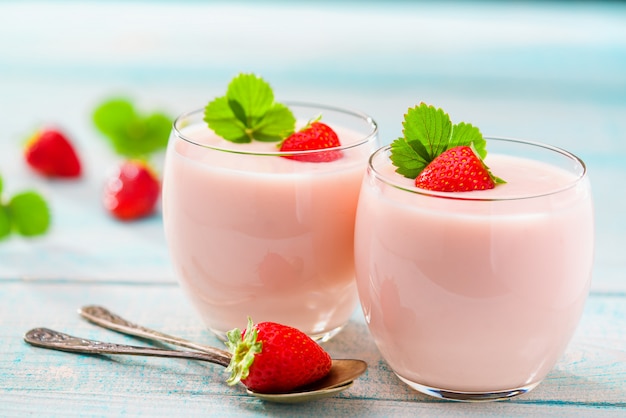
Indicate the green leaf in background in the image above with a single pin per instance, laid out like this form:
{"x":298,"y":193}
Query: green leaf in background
{"x":248,"y":112}
{"x":5,"y":222}
{"x":130,"y":133}
{"x":29,"y":213}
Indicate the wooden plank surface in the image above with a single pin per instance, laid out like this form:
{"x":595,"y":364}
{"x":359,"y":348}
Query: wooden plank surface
{"x":553,"y":72}
{"x":590,"y":376}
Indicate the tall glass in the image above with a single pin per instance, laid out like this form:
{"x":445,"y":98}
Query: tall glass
{"x":252,"y":233}
{"x":475,"y":296}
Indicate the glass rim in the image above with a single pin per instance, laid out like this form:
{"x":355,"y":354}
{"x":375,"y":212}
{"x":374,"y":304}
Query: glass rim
{"x":367,"y":138}
{"x":460,"y":195}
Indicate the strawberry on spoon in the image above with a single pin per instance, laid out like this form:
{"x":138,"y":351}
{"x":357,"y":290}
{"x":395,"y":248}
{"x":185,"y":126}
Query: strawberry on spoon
{"x":275,"y":358}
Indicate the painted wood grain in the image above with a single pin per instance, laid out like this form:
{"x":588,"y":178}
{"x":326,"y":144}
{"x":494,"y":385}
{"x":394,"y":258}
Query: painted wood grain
{"x":590,"y":376}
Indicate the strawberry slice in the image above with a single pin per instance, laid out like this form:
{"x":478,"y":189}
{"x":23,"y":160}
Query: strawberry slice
{"x":131,"y":191}
{"x":458,"y":169}
{"x":314,"y":136}
{"x":275,"y":358}
{"x":50,"y":153}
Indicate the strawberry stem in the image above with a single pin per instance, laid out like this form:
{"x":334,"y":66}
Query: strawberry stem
{"x":244,"y":348}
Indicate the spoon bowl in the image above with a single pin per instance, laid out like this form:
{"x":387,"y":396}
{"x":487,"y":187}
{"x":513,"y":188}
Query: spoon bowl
{"x":297,"y":397}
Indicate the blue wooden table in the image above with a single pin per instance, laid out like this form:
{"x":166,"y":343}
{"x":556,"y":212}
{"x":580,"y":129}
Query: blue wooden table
{"x":551,"y":72}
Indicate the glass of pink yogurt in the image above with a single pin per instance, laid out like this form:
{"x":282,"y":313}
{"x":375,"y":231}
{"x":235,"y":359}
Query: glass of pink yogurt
{"x":475,"y":295}
{"x":252,"y":233}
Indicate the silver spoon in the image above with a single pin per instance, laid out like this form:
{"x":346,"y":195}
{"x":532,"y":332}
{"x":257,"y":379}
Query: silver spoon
{"x":342,"y":372}
{"x":55,"y":340}
{"x":103,"y":317}
{"x":340,"y":377}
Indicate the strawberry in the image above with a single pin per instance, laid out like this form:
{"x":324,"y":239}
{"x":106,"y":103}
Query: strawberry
{"x":274,"y":358}
{"x":131,"y":191}
{"x":313,"y":136}
{"x":51,"y":154}
{"x":457,"y":169}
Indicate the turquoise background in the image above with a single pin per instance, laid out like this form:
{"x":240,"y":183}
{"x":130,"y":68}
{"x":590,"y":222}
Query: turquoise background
{"x":552,"y":72}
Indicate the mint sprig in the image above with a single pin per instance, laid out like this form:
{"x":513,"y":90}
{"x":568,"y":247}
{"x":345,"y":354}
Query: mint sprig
{"x":248,"y":112}
{"x":428,"y":132}
{"x":131,"y":133}
{"x":26,"y":213}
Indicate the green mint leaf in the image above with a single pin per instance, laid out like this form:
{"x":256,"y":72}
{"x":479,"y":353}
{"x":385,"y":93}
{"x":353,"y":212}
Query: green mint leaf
{"x":1,"y":186}
{"x":430,"y":126}
{"x":428,"y":132}
{"x":238,"y":111}
{"x":222,"y":120}
{"x":29,"y":213}
{"x":248,"y":112}
{"x":130,"y":133}
{"x":410,"y":157}
{"x":277,"y":124}
{"x":464,"y":134}
{"x":5,"y":222}
{"x":254,"y":95}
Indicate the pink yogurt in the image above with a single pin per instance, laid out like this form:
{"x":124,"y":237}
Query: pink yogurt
{"x":253,"y":234}
{"x":475,"y":296}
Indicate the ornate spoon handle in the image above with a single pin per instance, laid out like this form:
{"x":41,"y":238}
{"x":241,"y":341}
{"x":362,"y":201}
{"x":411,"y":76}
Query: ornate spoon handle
{"x":55,"y":340}
{"x":107,"y":319}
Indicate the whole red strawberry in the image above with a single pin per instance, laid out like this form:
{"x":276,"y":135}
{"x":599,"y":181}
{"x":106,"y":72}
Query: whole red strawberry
{"x":315,"y":136}
{"x":274,"y":358}
{"x":458,"y":169}
{"x":132,"y":190}
{"x":51,"y":154}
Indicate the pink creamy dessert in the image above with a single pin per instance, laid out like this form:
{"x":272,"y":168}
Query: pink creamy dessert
{"x":475,"y":295}
{"x":254,"y":234}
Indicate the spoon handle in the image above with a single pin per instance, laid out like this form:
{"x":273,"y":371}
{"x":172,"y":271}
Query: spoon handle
{"x":107,"y":319}
{"x":55,"y":340}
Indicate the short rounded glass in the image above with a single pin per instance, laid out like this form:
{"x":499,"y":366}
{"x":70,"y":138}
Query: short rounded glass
{"x":474,"y":296}
{"x":255,"y":232}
